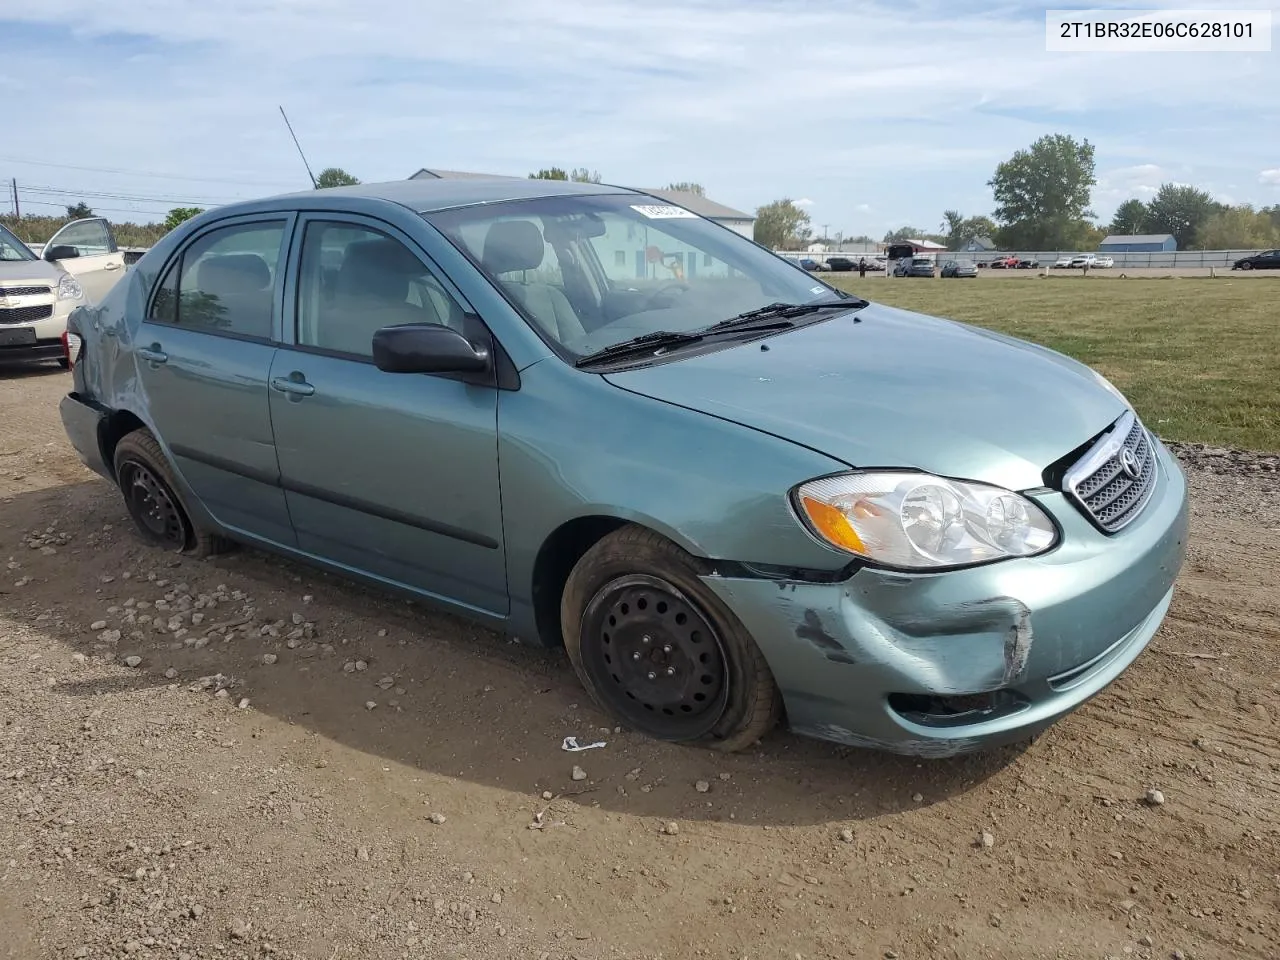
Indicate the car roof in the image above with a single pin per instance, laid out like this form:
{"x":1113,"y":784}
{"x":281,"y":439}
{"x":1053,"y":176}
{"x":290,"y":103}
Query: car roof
{"x":428,"y":195}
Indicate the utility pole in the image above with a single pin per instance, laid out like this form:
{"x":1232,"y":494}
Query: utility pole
{"x":17,"y":210}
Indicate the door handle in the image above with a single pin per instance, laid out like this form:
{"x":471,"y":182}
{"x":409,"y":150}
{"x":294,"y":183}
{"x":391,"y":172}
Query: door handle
{"x":153,"y":354}
{"x":295,"y":388}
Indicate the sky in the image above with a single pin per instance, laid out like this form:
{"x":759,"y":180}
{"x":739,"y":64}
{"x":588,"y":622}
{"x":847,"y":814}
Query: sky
{"x":873,"y":115}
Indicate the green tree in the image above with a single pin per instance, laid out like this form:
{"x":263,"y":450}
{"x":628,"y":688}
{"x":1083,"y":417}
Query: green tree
{"x":578,"y":174}
{"x":1239,"y":228}
{"x":958,"y":230}
{"x":1130,"y":218}
{"x":1042,"y":194}
{"x":912,"y":233}
{"x":179,"y":215}
{"x":79,"y":211}
{"x":1181,"y":210}
{"x":782,"y":225}
{"x":335,"y":177}
{"x":687,"y":186}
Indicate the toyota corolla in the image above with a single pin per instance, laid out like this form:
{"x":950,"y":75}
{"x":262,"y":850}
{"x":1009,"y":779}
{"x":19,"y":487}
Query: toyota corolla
{"x":589,"y":418}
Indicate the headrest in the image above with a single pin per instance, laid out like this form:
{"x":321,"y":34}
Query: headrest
{"x":379,"y":268}
{"x":232,"y":273}
{"x":513,"y":245}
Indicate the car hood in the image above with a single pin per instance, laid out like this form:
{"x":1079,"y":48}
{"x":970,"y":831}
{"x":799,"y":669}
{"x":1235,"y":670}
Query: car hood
{"x":890,"y":388}
{"x":14,"y":272}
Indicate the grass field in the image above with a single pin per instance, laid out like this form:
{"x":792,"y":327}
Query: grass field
{"x":1198,"y":358}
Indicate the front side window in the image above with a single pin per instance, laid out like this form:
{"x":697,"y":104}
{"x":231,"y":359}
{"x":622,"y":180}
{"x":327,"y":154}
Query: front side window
{"x":87,"y":239}
{"x":356,"y":280}
{"x":592,"y":271}
{"x":224,"y":282}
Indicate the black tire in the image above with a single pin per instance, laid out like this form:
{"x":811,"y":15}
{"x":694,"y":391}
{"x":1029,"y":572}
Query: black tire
{"x":1246,"y":265}
{"x":677,"y":629}
{"x":64,"y":363}
{"x":150,"y":494}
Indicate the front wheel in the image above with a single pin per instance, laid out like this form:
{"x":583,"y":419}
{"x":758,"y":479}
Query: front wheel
{"x":660,"y":651}
{"x":1246,"y":266}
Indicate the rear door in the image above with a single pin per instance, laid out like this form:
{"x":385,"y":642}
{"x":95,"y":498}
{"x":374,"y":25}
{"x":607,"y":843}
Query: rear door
{"x":204,"y":355}
{"x":87,"y":250}
{"x":394,"y":475}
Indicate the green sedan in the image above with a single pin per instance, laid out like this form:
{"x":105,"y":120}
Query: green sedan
{"x":591,"y":419}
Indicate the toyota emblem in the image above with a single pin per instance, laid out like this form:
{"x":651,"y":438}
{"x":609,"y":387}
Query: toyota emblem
{"x":1129,"y":464}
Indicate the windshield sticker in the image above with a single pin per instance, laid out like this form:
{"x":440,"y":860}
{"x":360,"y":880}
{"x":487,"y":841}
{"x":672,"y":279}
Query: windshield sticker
{"x":662,"y":212}
{"x":817,"y":289}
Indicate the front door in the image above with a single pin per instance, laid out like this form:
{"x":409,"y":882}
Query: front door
{"x":87,"y":250}
{"x":203,"y":356}
{"x":394,"y":475}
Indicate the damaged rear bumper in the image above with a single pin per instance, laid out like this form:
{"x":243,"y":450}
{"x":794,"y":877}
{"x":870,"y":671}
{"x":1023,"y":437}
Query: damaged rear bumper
{"x":945,"y":663}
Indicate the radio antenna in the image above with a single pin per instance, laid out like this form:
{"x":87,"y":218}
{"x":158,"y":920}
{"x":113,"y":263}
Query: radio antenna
{"x":299,"y":146}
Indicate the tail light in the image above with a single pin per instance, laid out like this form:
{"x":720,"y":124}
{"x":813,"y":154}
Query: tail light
{"x":71,"y":344}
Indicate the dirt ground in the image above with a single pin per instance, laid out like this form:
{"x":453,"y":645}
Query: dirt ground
{"x":297,"y":767}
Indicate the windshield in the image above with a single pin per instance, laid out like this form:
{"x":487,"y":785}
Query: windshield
{"x":592,"y":271}
{"x":11,"y":248}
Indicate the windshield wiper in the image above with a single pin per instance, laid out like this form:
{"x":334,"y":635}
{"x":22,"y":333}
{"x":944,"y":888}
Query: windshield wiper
{"x":783,"y":312}
{"x":644,"y":342}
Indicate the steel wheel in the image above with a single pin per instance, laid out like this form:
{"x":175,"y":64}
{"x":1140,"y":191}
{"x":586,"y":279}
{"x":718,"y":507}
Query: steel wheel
{"x":152,"y":506}
{"x":655,"y":657}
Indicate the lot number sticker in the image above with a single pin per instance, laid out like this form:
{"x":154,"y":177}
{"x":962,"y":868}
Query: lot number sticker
{"x":659,"y":212}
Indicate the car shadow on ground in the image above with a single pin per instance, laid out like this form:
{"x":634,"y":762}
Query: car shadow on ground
{"x":450,"y":699}
{"x":20,"y":369}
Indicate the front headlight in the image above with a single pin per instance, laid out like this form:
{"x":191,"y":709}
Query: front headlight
{"x":918,"y":521}
{"x":69,"y":288}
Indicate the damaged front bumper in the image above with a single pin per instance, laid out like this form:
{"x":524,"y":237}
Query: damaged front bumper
{"x":945,"y":663}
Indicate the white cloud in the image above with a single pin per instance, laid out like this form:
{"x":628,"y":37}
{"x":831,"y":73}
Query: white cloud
{"x":645,"y":91}
{"x":803,"y":202}
{"x":1271,"y":176}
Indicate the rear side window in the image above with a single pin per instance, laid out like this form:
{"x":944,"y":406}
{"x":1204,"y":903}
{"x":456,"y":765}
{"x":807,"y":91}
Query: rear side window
{"x":224,"y":282}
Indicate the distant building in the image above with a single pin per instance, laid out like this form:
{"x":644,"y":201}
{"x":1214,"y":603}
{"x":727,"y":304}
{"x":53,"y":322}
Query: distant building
{"x":978,"y":245}
{"x":1139,"y":243}
{"x":735,"y":220}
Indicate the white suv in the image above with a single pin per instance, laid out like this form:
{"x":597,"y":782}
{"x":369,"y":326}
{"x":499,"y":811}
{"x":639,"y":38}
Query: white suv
{"x":80,"y":264}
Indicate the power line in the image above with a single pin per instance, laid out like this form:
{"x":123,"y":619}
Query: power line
{"x":59,"y":191}
{"x":143,"y":173}
{"x":96,"y":208}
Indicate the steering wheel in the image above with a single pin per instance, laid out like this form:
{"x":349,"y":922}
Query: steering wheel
{"x":665,"y":288}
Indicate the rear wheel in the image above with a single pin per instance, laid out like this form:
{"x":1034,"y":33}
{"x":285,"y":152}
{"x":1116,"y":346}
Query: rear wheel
{"x":150,"y":495}
{"x":657,"y":649}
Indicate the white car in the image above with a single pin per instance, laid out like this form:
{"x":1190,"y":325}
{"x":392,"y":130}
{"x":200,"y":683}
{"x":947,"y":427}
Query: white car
{"x":1062,"y":263}
{"x":80,"y":264}
{"x":1104,"y":262}
{"x":1086,"y":260}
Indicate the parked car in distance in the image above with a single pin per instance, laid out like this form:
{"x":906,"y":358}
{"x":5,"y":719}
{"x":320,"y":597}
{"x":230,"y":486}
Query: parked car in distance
{"x":915,"y":267}
{"x":1062,"y":263}
{"x":1266,"y":260}
{"x":457,"y":389}
{"x":959,"y":268}
{"x":81,"y":264}
{"x":1104,"y":262}
{"x":841,"y":264}
{"x":1085,"y":260}
{"x":1004,"y":263}
{"x":808,"y":263}
{"x":1027,"y":263}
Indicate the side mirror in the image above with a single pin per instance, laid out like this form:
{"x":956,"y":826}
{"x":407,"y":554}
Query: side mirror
{"x":427,"y":348}
{"x":61,"y":252}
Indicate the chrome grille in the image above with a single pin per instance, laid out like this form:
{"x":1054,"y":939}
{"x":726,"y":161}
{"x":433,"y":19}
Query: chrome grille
{"x":26,"y":314}
{"x":25,"y":291}
{"x":1114,"y":480}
